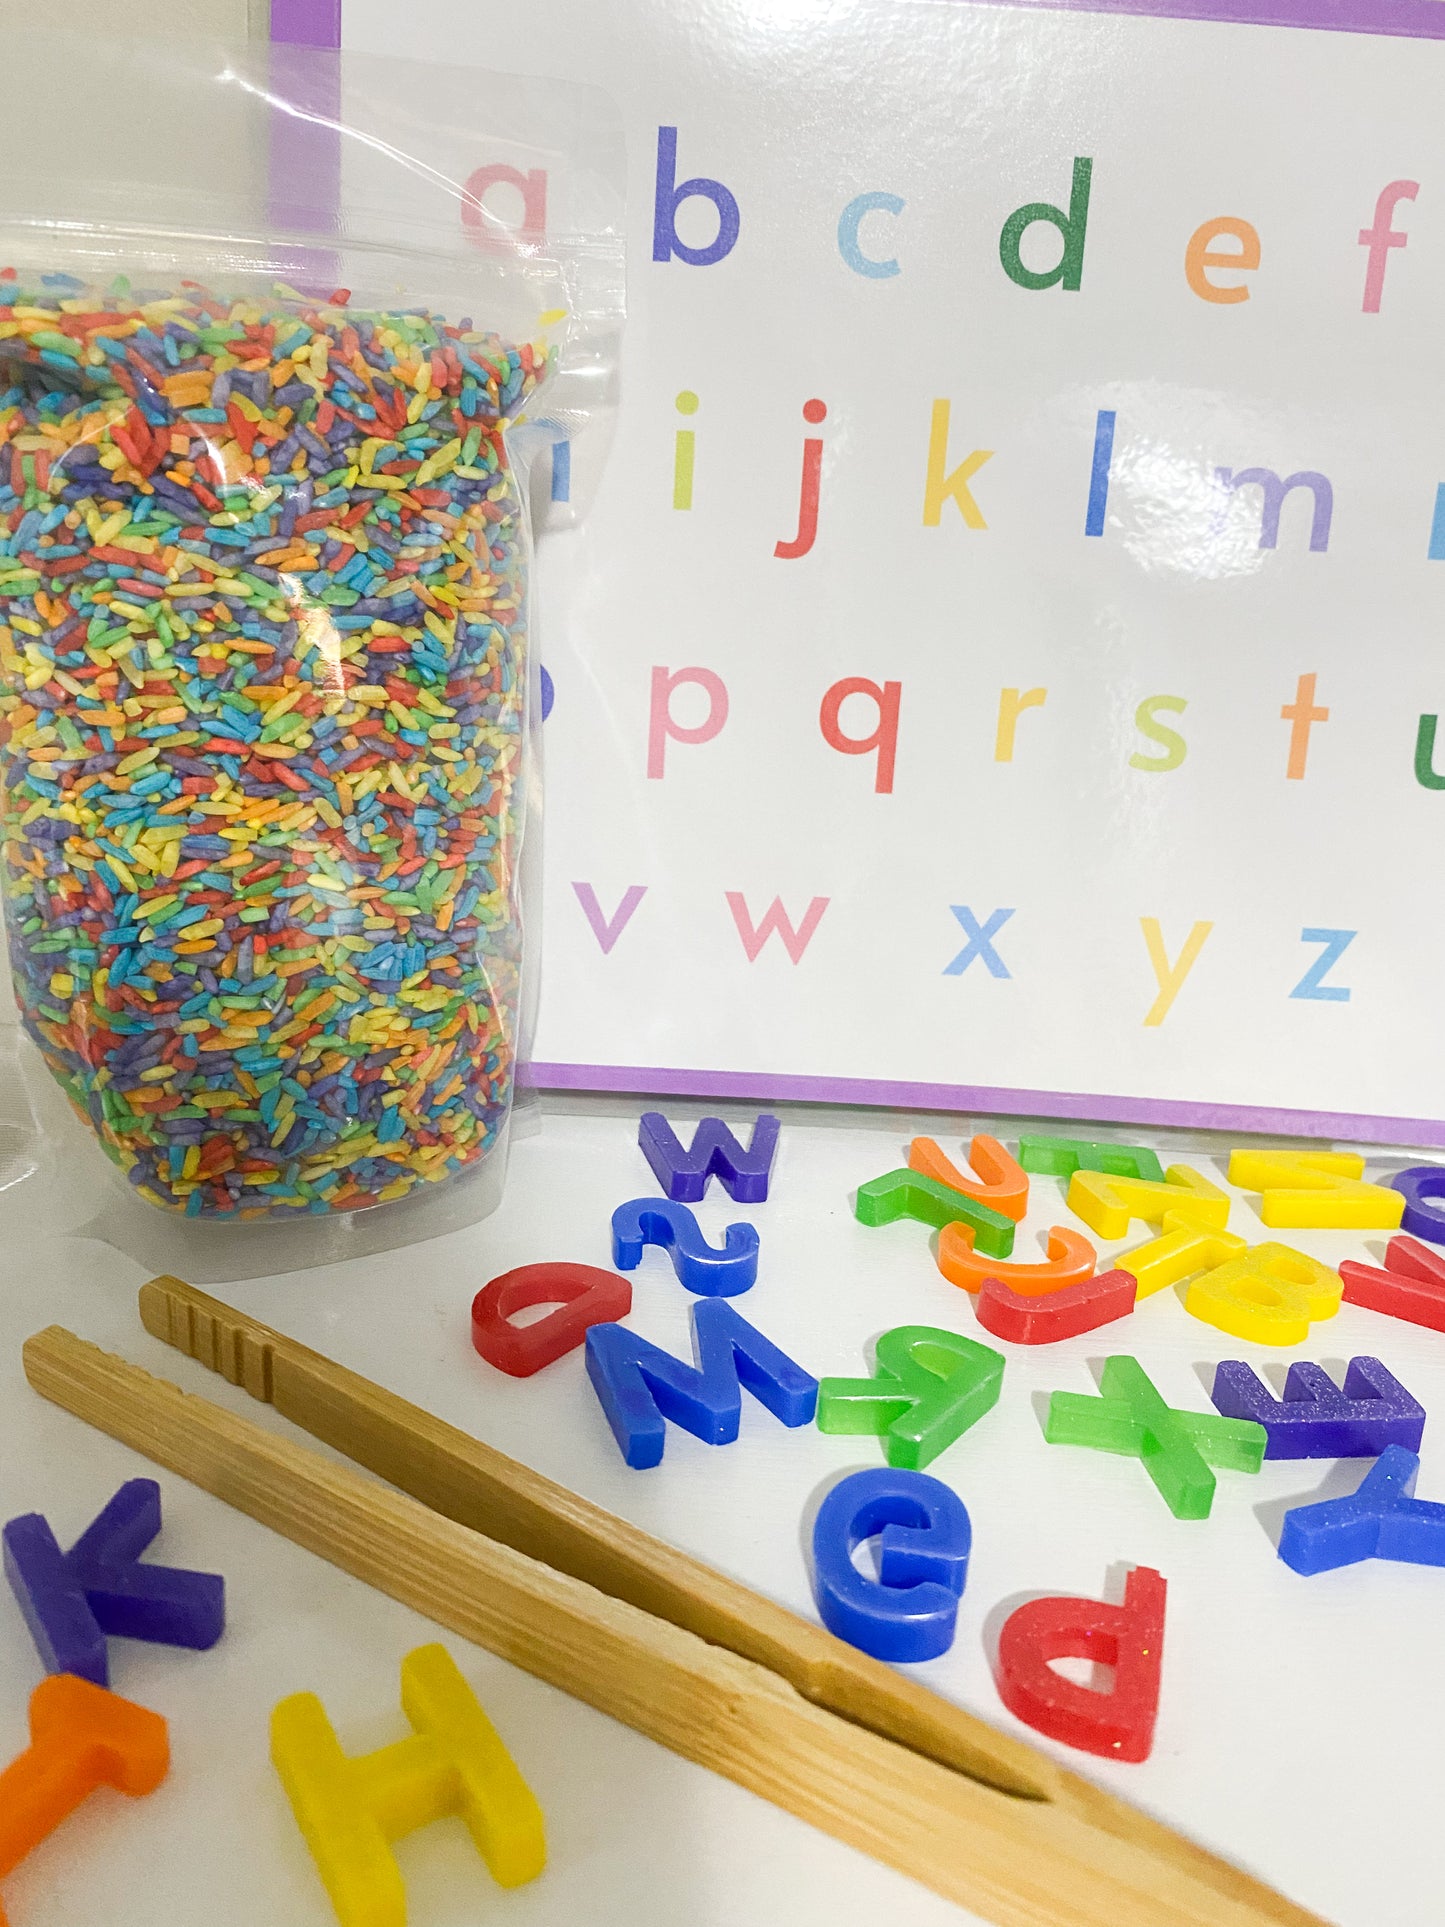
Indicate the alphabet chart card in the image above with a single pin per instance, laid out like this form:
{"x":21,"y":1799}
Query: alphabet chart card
{"x":997,"y":664}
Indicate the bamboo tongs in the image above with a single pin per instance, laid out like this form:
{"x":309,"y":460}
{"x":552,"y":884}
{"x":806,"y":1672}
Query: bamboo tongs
{"x":502,"y":1556}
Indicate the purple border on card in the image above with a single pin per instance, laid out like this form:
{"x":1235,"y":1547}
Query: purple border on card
{"x":783,"y":1088}
{"x":1417,"y":19}
{"x":317,"y":23}
{"x":304,"y":157}
{"x":307,"y":23}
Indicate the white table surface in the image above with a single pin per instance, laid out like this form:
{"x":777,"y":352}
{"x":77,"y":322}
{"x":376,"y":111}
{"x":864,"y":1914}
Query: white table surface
{"x":1301,"y":1718}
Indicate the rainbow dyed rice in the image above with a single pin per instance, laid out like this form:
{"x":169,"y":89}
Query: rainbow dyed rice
{"x":263,"y":589}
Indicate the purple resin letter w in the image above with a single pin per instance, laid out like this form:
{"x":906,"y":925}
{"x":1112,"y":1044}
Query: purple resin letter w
{"x":715,"y":1153}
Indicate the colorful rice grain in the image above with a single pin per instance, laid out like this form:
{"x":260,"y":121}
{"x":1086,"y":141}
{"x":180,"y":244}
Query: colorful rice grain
{"x":262,"y":633}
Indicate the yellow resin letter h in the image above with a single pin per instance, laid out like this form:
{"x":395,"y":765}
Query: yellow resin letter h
{"x":351,"y":1810}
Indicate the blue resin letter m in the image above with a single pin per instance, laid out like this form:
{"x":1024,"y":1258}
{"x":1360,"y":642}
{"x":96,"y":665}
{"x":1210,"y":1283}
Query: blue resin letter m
{"x":640,"y":1386}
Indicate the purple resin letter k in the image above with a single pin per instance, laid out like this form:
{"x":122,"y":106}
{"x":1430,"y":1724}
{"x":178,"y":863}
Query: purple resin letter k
{"x":715,"y":1153}
{"x":73,"y":1600}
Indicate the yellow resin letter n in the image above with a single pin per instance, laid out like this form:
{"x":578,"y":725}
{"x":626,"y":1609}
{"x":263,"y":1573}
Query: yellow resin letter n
{"x":351,"y":1810}
{"x":1323,"y":1189}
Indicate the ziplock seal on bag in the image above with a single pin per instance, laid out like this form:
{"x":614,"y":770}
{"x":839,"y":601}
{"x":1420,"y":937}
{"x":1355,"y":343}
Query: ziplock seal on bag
{"x":265,"y":552}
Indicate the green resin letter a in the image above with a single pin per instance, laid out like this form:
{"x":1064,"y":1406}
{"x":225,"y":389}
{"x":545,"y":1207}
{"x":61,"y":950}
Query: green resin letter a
{"x":930,"y":1386}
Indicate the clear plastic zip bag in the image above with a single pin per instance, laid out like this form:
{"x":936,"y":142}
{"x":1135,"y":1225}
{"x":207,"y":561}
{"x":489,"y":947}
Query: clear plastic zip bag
{"x":265,"y":552}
